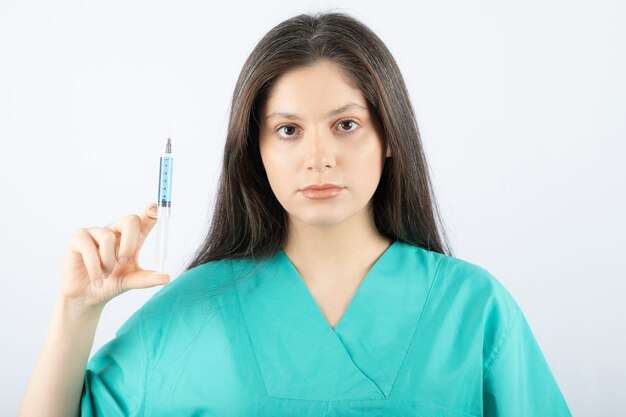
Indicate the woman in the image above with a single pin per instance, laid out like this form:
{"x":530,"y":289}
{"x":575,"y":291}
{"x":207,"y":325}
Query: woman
{"x":301,"y":302}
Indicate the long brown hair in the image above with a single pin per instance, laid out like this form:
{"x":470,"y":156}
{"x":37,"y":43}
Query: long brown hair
{"x":248,"y":220}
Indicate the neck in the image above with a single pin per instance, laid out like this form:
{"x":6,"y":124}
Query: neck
{"x":337,"y":250}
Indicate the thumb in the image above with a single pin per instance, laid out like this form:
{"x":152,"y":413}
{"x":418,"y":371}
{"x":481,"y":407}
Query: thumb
{"x":144,"y":278}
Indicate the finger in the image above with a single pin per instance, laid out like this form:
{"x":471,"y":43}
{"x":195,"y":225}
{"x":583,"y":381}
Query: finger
{"x":148,"y":220}
{"x":129,"y":228}
{"x":86,"y":246}
{"x":144,"y":279}
{"x":106,"y":241}
{"x":133,"y":230}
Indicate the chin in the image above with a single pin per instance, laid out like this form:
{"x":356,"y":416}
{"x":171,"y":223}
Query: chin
{"x":321,"y":216}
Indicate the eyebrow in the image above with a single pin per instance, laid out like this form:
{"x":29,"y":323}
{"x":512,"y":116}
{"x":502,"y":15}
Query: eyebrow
{"x":334,"y":112}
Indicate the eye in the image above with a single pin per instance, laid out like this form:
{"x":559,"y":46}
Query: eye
{"x":289,"y":128}
{"x":348,"y":121}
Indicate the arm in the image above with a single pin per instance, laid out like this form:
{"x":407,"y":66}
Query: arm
{"x":57,"y":379}
{"x":100,"y":264}
{"x":518,"y":381}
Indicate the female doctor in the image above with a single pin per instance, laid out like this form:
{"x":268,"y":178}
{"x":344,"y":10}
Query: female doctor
{"x":322,"y":289}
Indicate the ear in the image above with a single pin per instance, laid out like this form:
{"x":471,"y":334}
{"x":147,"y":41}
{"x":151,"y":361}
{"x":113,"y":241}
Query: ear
{"x":388,"y":153}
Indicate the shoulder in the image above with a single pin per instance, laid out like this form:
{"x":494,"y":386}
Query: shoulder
{"x":195,"y":289}
{"x":211,"y":278}
{"x":472,"y":283}
{"x":456,"y":276}
{"x":465,"y":292}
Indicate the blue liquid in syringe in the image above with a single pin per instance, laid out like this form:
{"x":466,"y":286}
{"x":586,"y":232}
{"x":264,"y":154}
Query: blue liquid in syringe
{"x":165,"y":177}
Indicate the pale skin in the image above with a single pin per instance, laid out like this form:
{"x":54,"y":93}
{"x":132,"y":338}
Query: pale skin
{"x":333,"y":242}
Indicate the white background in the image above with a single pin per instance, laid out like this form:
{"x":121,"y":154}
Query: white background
{"x":521,"y":107}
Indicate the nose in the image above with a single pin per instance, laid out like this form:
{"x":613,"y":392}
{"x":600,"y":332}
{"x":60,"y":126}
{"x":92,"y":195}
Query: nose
{"x":321,"y":152}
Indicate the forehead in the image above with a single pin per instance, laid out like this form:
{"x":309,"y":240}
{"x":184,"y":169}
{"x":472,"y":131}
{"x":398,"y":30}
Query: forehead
{"x":313,"y":90}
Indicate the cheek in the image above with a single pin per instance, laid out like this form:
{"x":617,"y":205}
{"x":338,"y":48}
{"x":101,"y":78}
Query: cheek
{"x":272,"y":154}
{"x":365,"y":165}
{"x":276,"y":169}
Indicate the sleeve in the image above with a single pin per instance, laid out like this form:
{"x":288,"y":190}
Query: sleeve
{"x":518,"y":381}
{"x":115,"y":376}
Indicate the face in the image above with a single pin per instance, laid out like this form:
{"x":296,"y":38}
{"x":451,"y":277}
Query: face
{"x":315,"y":128}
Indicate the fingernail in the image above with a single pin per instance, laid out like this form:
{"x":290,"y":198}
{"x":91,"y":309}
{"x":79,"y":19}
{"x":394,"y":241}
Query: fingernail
{"x":99,"y":283}
{"x":123,"y":260}
{"x":153,"y":211}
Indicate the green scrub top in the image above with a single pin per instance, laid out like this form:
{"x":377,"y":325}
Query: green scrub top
{"x":426,"y":334}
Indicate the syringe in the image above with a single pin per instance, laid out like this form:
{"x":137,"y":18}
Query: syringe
{"x":164,"y":205}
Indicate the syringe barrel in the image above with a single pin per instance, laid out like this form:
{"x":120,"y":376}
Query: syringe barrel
{"x":166,"y":169}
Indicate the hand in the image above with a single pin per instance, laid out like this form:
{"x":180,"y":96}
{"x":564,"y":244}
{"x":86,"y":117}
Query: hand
{"x":93,"y":271}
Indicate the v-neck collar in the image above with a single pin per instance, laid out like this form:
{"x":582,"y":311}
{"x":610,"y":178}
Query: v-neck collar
{"x":301,"y":356}
{"x":364,"y":282}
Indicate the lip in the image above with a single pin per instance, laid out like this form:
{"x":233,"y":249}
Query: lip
{"x":320,"y":187}
{"x":317,"y":193}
